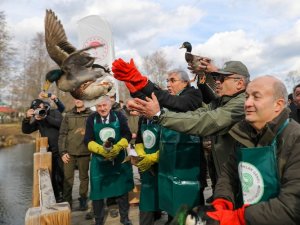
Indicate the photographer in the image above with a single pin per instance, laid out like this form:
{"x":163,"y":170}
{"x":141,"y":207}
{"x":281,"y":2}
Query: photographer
{"x":47,"y":121}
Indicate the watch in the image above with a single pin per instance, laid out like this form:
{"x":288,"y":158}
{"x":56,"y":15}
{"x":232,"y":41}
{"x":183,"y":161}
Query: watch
{"x":156,"y":117}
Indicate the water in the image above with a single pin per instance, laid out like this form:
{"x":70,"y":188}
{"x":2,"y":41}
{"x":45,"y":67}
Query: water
{"x":16,"y":178}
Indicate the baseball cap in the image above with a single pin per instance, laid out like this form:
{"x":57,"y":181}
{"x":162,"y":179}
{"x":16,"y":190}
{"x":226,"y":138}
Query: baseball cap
{"x":36,"y":103}
{"x":234,"y":67}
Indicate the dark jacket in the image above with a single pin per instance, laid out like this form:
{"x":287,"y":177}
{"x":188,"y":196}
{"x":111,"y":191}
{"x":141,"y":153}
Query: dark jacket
{"x":216,"y":119}
{"x":72,"y":132}
{"x":295,"y":113}
{"x":284,"y":209}
{"x":189,"y":99}
{"x":89,"y":132}
{"x":48,"y":127}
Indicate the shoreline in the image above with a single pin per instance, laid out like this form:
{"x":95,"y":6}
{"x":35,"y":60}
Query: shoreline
{"x":11,"y":134}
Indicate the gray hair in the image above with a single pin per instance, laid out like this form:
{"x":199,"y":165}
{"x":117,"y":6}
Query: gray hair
{"x":181,"y":73}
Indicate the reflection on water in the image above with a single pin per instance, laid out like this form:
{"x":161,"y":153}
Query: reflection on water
{"x":15,"y":183}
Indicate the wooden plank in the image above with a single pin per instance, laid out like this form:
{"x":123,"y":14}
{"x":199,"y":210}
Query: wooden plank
{"x":43,"y":144}
{"x":134,"y":195}
{"x":47,"y":197}
{"x":58,"y":214}
{"x":40,"y":161}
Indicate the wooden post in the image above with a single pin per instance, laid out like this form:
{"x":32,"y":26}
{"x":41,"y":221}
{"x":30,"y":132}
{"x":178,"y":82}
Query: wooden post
{"x":41,"y":160}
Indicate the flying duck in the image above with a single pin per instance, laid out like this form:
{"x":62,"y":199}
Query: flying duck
{"x":77,"y":73}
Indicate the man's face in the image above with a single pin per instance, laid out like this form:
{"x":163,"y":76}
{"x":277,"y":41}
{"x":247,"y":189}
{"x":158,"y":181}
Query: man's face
{"x":228,"y":84}
{"x":175,"y":84}
{"x":297,"y":97}
{"x":112,"y":99}
{"x":103,"y":108}
{"x":78,"y":103}
{"x":260,"y":106}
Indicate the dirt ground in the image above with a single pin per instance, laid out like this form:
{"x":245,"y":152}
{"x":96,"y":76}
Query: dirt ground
{"x":11,"y":134}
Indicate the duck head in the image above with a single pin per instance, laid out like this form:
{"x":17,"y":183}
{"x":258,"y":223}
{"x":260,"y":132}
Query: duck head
{"x":51,"y":76}
{"x":187,"y":46}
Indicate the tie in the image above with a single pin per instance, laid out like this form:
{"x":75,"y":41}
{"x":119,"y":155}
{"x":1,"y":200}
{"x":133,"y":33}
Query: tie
{"x":104,"y":119}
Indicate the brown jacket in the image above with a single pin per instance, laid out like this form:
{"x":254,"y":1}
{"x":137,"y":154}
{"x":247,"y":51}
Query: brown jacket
{"x":284,"y":209}
{"x":72,"y":132}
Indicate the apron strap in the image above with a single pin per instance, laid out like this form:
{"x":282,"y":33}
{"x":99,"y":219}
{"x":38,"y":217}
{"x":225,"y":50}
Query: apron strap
{"x":281,"y":128}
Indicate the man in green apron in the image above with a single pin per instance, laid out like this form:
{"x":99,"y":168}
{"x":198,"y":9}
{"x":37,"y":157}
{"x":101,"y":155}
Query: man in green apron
{"x":266,"y":163}
{"x":147,"y":148}
{"x":109,"y":176}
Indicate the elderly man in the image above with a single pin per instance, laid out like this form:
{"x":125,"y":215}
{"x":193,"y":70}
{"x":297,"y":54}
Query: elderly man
{"x":107,"y":135}
{"x":180,"y":154}
{"x":216,"y":119}
{"x":266,"y":162}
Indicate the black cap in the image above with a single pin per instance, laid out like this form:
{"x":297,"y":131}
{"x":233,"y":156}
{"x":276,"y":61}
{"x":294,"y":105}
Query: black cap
{"x":36,"y":103}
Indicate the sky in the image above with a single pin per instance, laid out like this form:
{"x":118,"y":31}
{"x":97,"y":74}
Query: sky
{"x":263,"y":34}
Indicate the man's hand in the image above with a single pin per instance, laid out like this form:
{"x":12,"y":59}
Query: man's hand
{"x":29,"y":113}
{"x":65,"y":158}
{"x":148,"y":108}
{"x":128,"y":72}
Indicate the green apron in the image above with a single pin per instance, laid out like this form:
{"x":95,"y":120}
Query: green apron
{"x":179,"y":171}
{"x":149,"y":185}
{"x":109,"y":178}
{"x":258,"y":171}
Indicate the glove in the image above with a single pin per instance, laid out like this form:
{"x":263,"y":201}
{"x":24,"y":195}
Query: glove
{"x":98,"y":149}
{"x":122,"y":144}
{"x":148,"y":161}
{"x":139,"y":148}
{"x":221,"y":203}
{"x":130,"y":87}
{"x":229,"y":217}
{"x":128,"y":72}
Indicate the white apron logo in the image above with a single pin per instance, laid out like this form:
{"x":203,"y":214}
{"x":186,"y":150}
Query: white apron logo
{"x":149,"y":139}
{"x":106,"y":133}
{"x":252,"y":183}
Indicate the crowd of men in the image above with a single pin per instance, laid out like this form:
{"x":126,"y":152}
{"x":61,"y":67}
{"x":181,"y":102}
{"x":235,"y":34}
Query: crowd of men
{"x":249,"y":127}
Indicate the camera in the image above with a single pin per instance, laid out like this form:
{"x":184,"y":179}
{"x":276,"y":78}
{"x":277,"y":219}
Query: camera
{"x":42,"y":112}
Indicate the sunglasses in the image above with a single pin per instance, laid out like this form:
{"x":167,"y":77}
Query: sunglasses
{"x":222,"y":77}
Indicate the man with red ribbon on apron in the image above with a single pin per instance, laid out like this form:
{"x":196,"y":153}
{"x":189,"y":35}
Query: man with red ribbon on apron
{"x":107,"y":136}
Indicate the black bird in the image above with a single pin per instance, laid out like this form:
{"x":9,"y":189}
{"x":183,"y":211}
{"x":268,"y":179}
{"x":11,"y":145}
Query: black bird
{"x":77,"y":73}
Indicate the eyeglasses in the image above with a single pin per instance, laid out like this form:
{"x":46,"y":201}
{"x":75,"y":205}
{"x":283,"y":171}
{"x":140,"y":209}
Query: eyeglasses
{"x":222,"y":78}
{"x":172,"y":80}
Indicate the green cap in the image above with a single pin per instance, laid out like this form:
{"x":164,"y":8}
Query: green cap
{"x":234,"y":67}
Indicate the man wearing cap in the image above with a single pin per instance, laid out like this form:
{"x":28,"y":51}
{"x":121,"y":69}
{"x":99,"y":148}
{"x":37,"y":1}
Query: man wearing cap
{"x":47,"y":121}
{"x":214,"y":119}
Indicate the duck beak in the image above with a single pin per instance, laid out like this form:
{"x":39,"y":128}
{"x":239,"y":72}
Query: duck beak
{"x":182,"y":46}
{"x":46,"y":85}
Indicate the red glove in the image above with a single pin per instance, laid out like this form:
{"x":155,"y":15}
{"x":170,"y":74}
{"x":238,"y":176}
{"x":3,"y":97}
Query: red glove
{"x":128,"y":72}
{"x":229,"y":217}
{"x":220,"y":203}
{"x":130,"y":87}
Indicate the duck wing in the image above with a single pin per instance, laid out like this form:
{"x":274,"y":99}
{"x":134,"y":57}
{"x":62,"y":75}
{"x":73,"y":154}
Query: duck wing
{"x":57,"y":43}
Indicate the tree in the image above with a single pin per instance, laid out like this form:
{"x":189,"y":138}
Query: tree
{"x":7,"y":53}
{"x":156,"y":66}
{"x":292,"y":79}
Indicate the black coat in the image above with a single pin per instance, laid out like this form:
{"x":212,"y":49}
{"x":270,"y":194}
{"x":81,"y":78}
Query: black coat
{"x":48,"y":127}
{"x":188,"y":100}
